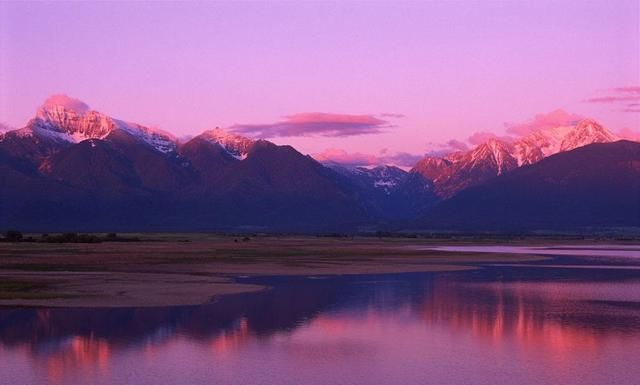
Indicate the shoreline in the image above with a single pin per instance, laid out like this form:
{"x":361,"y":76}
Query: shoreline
{"x":174,"y":272}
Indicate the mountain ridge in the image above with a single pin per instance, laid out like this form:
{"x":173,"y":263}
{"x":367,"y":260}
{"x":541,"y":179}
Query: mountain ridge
{"x":77,"y":168}
{"x":460,"y":170}
{"x":557,"y":193}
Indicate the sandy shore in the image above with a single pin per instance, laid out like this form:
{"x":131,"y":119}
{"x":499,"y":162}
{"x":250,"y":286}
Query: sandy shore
{"x":188,"y":270}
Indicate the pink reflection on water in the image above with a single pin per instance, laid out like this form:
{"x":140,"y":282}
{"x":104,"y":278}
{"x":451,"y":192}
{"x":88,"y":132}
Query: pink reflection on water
{"x":80,"y":356}
{"x":458,"y":332}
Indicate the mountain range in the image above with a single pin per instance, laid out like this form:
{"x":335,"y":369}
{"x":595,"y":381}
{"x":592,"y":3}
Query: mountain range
{"x":73,"y":169}
{"x":592,"y":187}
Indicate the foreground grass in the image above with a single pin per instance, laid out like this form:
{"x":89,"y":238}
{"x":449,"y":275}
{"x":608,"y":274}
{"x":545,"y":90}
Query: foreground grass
{"x":11,"y":289}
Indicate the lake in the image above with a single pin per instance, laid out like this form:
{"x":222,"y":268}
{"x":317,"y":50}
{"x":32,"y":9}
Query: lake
{"x":565,"y":320}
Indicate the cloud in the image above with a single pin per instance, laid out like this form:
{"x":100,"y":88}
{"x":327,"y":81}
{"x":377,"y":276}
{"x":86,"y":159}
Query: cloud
{"x":613,"y":99}
{"x":628,"y":133}
{"x":630,"y":89}
{"x":400,"y":159}
{"x":316,"y":124}
{"x":541,"y":121}
{"x":440,"y":150}
{"x":347,"y":158}
{"x":552,"y":119}
{"x":457,"y":145}
{"x":391,"y":115}
{"x":67,"y":102}
{"x":620,"y":96}
{"x":483,"y":136}
{"x":4,"y":128}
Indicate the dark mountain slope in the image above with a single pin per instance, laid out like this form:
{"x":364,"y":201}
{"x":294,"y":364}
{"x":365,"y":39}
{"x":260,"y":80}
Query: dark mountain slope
{"x":95,"y":166}
{"x":594,"y":186}
{"x":209,"y":160}
{"x":73,"y":169}
{"x":275,"y":187}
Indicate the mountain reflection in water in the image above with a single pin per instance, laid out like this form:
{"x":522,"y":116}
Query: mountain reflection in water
{"x":494,"y":325}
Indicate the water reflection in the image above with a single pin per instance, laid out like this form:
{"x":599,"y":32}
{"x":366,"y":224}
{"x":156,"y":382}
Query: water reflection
{"x":501,"y":321}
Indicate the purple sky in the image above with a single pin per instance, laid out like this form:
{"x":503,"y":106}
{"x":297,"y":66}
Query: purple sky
{"x":370,"y":78}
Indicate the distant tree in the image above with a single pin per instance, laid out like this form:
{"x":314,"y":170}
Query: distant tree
{"x":69,"y":237}
{"x":13,"y":236}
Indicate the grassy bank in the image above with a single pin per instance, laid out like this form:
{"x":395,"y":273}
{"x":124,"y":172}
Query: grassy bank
{"x":176,"y":269}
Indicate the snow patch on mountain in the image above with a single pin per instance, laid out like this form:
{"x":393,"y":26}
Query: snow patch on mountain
{"x":237,"y":146}
{"x":158,"y":139}
{"x":587,"y":131}
{"x":535,"y":146}
{"x":385,"y":178}
{"x":495,"y":157}
{"x":540,"y":144}
{"x":495,"y":151}
{"x":62,"y":118}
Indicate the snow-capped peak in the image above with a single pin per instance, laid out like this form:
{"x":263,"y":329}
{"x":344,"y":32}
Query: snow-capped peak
{"x":587,"y":131}
{"x":545,"y":142}
{"x":63,"y":118}
{"x":539,"y":144}
{"x":156,"y":138}
{"x":236,"y":145}
{"x":72,"y":125}
{"x":496,"y":151}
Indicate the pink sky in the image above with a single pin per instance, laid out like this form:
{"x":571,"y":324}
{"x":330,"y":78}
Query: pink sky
{"x":377,"y":79}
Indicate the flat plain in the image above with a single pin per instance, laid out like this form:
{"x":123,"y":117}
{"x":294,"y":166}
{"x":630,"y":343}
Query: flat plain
{"x":191,"y":269}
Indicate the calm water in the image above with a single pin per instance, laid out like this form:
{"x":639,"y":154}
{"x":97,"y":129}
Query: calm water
{"x":622,"y":251}
{"x":550,"y":322}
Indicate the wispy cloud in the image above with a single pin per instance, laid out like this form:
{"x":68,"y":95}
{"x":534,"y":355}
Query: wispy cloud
{"x":341,"y":156}
{"x":630,"y":89}
{"x":391,"y":115}
{"x":556,"y":118}
{"x":552,"y":119}
{"x":400,"y":159}
{"x":457,"y":145}
{"x":316,"y":124}
{"x":620,"y":97}
{"x":439,"y":150}
{"x":613,"y":99}
{"x":628,"y":133}
{"x":4,"y":127}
